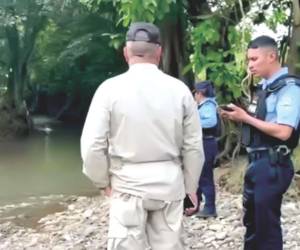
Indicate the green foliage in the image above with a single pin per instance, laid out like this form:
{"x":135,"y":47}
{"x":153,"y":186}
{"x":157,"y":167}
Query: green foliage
{"x":80,"y":44}
{"x":149,"y":10}
{"x":20,"y":23}
{"x":204,"y":33}
{"x":77,"y":54}
{"x":135,"y":10}
{"x":280,"y":15}
{"x":209,"y":60}
{"x":214,"y":54}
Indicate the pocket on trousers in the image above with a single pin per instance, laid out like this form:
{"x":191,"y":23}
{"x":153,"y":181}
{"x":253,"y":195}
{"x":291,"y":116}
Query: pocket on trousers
{"x":116,"y":229}
{"x":173,"y":214}
{"x":123,"y":214}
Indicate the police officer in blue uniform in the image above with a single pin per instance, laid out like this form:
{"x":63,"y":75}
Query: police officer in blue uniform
{"x":207,"y":107}
{"x":270,"y":134}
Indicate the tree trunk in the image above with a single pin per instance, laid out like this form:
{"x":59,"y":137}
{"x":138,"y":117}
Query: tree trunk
{"x":20,"y":47}
{"x":20,"y":52}
{"x":294,"y":53}
{"x":175,"y":57}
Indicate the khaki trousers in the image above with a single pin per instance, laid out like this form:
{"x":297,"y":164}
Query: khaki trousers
{"x":140,"y":224}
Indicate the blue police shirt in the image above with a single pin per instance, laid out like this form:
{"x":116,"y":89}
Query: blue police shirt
{"x":283,"y":107}
{"x":208,"y":112}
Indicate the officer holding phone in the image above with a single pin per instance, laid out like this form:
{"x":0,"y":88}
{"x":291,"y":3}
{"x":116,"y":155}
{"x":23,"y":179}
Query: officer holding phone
{"x":270,"y":135}
{"x":207,"y":108}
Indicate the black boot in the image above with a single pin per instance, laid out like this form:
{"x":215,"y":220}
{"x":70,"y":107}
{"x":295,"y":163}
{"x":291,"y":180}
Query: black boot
{"x":207,"y":213}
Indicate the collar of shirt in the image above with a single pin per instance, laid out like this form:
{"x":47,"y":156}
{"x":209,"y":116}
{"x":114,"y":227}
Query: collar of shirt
{"x":266,"y":82}
{"x":212,"y":99}
{"x":142,"y":66}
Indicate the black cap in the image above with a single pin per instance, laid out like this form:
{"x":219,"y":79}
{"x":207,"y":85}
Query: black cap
{"x":143,"y":32}
{"x":206,"y":88}
{"x":202,"y":85}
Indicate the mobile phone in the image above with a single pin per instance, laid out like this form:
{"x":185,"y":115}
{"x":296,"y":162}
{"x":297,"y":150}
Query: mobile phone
{"x":225,"y":107}
{"x":187,"y":203}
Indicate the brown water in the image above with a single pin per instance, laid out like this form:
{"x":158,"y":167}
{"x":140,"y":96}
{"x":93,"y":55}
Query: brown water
{"x":39,"y":172}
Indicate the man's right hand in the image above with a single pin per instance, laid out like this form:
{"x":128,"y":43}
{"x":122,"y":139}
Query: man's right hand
{"x":194,"y":199}
{"x":236,"y":114}
{"x":105,"y":191}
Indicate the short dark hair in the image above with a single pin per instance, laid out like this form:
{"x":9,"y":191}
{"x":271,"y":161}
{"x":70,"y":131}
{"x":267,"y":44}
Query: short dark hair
{"x":262,"y":42}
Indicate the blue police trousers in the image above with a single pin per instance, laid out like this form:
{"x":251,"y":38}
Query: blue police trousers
{"x":264,"y":186}
{"x":206,"y":181}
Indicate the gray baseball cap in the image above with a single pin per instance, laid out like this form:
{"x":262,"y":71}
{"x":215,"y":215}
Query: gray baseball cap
{"x":143,"y":32}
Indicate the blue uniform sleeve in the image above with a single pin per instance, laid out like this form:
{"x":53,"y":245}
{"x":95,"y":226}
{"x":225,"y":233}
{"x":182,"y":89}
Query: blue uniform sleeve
{"x":288,"y":106}
{"x":208,"y":114}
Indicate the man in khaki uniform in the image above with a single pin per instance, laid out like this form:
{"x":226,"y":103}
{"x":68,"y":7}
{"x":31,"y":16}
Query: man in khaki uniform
{"x":142,"y":138}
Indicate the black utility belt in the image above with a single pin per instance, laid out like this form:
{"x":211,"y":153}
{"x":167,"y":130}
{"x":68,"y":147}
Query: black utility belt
{"x":276,"y":154}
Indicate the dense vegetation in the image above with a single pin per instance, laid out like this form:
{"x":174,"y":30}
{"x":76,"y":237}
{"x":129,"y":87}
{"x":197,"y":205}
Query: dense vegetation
{"x":56,"y":52}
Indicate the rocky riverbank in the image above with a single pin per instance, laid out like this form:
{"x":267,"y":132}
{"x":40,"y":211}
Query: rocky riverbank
{"x":83,"y":225}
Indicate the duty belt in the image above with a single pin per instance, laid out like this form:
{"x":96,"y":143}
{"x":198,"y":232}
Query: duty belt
{"x":276,"y":154}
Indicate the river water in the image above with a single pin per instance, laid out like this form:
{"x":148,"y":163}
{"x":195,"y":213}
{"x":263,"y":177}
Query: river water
{"x":41,"y":168}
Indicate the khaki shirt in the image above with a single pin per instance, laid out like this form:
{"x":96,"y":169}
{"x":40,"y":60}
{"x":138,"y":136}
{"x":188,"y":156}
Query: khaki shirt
{"x":142,"y":135}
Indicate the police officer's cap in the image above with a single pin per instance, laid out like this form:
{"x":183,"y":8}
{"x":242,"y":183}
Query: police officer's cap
{"x":203,"y":85}
{"x":206,"y":88}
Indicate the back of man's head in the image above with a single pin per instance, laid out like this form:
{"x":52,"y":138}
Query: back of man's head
{"x":142,"y":42}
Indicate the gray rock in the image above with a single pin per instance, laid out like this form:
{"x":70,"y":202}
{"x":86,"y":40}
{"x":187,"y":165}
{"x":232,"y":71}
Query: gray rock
{"x":84,"y":223}
{"x":221,"y":235}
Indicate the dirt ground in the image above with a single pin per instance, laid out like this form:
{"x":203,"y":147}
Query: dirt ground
{"x":230,"y":175}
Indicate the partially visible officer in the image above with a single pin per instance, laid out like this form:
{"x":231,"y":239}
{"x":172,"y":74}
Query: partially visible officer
{"x":142,"y":138}
{"x":271,"y":134}
{"x":207,"y":108}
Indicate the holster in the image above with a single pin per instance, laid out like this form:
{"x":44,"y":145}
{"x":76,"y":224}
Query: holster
{"x":273,"y":156}
{"x":279,"y":154}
